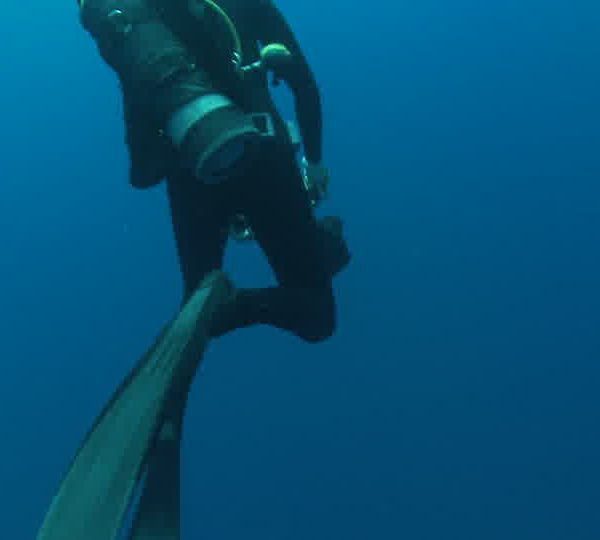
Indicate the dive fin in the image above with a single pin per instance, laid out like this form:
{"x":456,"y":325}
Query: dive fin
{"x":93,"y":497}
{"x":158,"y":513}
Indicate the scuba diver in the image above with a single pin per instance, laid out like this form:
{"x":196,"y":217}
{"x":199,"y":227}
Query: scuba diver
{"x":194,"y":76}
{"x":195,"y":81}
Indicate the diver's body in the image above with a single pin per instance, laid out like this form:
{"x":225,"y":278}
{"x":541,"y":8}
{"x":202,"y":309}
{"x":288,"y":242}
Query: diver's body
{"x":182,"y":93}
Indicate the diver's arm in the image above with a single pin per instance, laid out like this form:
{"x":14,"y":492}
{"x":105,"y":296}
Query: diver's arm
{"x":148,"y":57}
{"x":273,"y":28}
{"x":159,"y":74}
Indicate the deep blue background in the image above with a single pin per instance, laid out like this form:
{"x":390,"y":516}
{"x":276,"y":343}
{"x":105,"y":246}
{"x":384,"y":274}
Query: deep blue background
{"x":459,"y":399}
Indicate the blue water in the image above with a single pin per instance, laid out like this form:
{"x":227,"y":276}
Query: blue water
{"x":459,"y":399}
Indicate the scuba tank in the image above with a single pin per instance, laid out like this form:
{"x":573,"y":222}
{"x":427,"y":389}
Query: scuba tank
{"x":272,"y":57}
{"x":214,"y":137}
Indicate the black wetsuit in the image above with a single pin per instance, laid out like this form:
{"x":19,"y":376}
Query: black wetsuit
{"x":270,"y":192}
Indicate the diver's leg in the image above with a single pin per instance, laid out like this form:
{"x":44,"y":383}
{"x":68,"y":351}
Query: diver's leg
{"x":200,"y":224}
{"x":279,"y":211}
{"x":334,"y":246}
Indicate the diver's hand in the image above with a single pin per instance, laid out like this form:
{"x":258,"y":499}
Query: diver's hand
{"x":316,"y":180}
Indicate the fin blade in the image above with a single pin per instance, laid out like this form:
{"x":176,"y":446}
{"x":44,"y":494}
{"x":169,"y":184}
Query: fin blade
{"x":158,"y":515}
{"x":94,"y":495}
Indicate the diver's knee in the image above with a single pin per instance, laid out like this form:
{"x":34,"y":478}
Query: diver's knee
{"x":323,"y":324}
{"x":321,"y":332}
